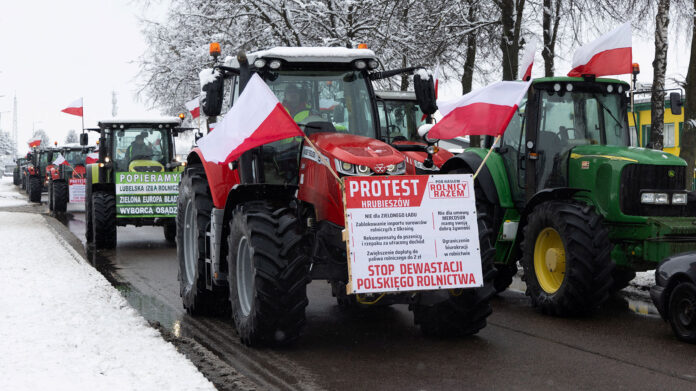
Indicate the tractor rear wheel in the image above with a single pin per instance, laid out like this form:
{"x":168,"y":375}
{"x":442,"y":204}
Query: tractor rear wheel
{"x":268,"y":273}
{"x":464,"y":311}
{"x":89,"y":232}
{"x":15,"y":177}
{"x":566,"y":258}
{"x":24,"y":182}
{"x":104,"y":219}
{"x":60,"y":196}
{"x":50,"y":195}
{"x":35,"y":187}
{"x":682,"y":311}
{"x":170,"y":232}
{"x":194,"y":206}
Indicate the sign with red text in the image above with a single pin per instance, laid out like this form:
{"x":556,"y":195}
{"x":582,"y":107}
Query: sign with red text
{"x":76,"y":189}
{"x":412,"y":232}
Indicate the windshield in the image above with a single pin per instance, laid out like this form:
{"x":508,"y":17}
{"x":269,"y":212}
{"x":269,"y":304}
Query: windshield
{"x":580,"y":118}
{"x":326,"y":101}
{"x":400,"y":119}
{"x":74,"y":157}
{"x":139,"y":144}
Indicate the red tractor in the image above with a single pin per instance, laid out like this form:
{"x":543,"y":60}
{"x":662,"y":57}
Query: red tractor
{"x":61,"y":175}
{"x":252,"y":234}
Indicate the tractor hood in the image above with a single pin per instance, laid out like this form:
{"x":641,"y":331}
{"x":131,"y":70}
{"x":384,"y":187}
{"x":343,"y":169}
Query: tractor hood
{"x":627,"y":154}
{"x":356,"y":149}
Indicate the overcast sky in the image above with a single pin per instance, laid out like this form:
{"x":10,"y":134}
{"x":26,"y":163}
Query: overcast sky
{"x":55,"y":51}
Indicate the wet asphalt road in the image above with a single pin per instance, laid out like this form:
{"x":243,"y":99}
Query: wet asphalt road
{"x":380,"y":348}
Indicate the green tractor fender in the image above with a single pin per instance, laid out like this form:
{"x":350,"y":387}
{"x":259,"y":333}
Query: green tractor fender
{"x":493,"y":177}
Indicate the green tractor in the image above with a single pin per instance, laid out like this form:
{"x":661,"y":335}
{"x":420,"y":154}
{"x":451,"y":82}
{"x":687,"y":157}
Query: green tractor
{"x":136,"y":179}
{"x":17,"y":172}
{"x":570,"y":199}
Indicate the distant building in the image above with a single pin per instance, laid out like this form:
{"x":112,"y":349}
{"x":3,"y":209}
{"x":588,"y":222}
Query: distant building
{"x":671,"y":134}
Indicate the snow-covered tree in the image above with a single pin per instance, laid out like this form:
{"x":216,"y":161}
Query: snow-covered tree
{"x":41,"y":134}
{"x":71,"y":138}
{"x":7,"y":145}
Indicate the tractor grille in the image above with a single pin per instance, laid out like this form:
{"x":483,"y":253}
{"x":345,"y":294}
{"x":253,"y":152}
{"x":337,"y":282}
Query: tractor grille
{"x":637,"y":177}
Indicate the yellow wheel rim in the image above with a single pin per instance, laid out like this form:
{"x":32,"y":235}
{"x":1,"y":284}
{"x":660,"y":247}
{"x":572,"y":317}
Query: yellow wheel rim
{"x":549,"y":260}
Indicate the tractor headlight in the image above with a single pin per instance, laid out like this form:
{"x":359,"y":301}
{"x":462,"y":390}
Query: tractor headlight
{"x":662,"y":198}
{"x":275,"y":64}
{"x":647,"y":198}
{"x":421,"y":166}
{"x":346,"y":168}
{"x":259,"y":63}
{"x":396,"y":169}
{"x":363,"y":170}
{"x":359,"y":64}
{"x":679,"y":199}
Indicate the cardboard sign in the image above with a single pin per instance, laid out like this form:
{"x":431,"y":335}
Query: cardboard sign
{"x":412,"y":232}
{"x":147,"y":194}
{"x":76,"y":189}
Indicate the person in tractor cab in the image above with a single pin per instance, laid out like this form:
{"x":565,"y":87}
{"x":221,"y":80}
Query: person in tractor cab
{"x":295,"y":102}
{"x":138,"y":148}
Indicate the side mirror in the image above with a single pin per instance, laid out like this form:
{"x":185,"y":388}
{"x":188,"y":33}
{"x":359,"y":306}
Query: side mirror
{"x":339,"y":113}
{"x":212,"y":91}
{"x":423,"y":132}
{"x":84,"y":139}
{"x":675,"y":103}
{"x":425,"y":91}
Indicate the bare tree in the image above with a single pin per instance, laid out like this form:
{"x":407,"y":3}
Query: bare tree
{"x":71,"y":137}
{"x":550,"y":22}
{"x":657,"y":100}
{"x":511,"y":15}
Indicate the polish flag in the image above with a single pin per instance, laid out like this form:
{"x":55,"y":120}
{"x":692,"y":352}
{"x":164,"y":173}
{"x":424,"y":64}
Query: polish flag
{"x":92,"y":157}
{"x":194,"y":107}
{"x":486,"y":111}
{"x":60,"y":160}
{"x":74,"y":108}
{"x":257,"y":118}
{"x":610,"y":54}
{"x":35,"y":142}
{"x":527,"y":62}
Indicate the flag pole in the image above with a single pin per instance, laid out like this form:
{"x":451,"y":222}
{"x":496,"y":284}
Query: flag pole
{"x":83,"y":114}
{"x":487,"y":155}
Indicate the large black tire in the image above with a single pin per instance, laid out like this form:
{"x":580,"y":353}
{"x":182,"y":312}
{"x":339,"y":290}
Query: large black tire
{"x":575,"y":276}
{"x":268,"y":273}
{"x":60,"y":196}
{"x":15,"y":177}
{"x":682,"y":311}
{"x":463,"y":312}
{"x":170,"y":232}
{"x":89,"y":231}
{"x":50,"y":196}
{"x":195,"y":203}
{"x":24,"y":182}
{"x":104,"y":219}
{"x":35,"y":187}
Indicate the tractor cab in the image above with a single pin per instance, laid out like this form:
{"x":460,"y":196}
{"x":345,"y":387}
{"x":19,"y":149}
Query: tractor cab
{"x":400,"y":117}
{"x":564,"y":115}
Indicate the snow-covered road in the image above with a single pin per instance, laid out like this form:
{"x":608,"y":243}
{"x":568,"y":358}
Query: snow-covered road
{"x":9,"y":193}
{"x":64,"y":327}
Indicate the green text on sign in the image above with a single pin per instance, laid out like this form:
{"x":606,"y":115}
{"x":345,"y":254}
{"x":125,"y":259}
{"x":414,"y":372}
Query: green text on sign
{"x":147,"y":194}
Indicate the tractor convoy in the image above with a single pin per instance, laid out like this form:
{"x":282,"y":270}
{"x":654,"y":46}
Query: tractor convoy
{"x":563,"y":193}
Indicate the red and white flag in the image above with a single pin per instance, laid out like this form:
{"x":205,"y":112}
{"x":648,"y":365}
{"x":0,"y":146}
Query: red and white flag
{"x":525,"y":69}
{"x":610,"y":54}
{"x":74,"y":108}
{"x":35,"y":142}
{"x":194,"y":107}
{"x":92,"y":157}
{"x":60,"y":160}
{"x":257,"y":118}
{"x":486,"y":111}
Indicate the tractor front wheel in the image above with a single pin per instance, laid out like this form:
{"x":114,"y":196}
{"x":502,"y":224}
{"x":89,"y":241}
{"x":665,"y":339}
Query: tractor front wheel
{"x":268,"y":273}
{"x":60,"y":196}
{"x":682,"y":311}
{"x":104,"y":219}
{"x":15,"y":177}
{"x":35,"y":187}
{"x":566,"y":258}
{"x":463,"y":311}
{"x":192,"y":219}
{"x":50,"y":195}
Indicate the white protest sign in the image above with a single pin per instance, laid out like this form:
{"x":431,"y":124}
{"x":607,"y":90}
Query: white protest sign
{"x":412,"y":232}
{"x":76,"y":189}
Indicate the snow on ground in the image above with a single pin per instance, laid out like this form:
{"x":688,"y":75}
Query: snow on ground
{"x":9,"y":193}
{"x":64,"y":327}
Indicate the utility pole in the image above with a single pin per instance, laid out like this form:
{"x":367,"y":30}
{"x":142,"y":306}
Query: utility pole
{"x":114,"y":106}
{"x":14,"y":127}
